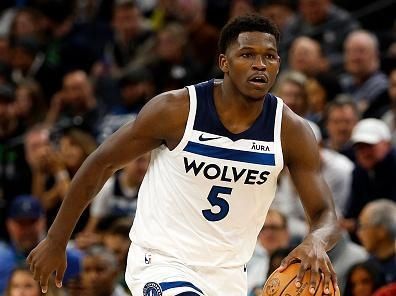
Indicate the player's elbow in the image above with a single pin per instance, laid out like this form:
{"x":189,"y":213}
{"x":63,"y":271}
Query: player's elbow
{"x":102,"y":161}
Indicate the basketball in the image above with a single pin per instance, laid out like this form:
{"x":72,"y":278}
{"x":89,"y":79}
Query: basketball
{"x":283,"y":284}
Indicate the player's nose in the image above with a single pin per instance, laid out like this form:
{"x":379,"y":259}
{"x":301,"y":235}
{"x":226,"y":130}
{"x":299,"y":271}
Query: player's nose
{"x":259,"y":63}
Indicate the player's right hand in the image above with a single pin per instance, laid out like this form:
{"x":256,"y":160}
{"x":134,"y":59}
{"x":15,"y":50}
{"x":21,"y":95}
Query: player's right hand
{"x":46,"y":258}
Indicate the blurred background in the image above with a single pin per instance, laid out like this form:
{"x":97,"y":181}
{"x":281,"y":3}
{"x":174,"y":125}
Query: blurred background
{"x":74,"y":71}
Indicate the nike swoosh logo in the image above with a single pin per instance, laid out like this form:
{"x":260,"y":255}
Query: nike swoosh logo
{"x":202,"y":138}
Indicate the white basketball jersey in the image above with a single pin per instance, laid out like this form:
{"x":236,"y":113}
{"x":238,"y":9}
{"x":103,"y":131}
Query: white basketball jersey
{"x":205,"y":201}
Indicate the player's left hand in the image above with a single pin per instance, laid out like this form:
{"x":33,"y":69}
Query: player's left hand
{"x":314,"y":259}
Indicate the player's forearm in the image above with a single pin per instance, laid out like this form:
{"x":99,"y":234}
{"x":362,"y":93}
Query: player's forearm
{"x":325,"y":229}
{"x":84,"y":186}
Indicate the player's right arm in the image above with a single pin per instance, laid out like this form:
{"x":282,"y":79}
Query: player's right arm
{"x":161,"y":121}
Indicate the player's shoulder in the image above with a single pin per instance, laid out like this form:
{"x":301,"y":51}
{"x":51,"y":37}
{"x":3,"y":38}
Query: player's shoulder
{"x":292,"y":123}
{"x":167,"y":105}
{"x":297,"y":136}
{"x":172,"y":98}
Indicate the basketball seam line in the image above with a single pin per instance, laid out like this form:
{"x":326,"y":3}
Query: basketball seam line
{"x":317,"y":288}
{"x":287,"y":285}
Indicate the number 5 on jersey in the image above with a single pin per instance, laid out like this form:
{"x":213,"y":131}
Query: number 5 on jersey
{"x":215,"y":200}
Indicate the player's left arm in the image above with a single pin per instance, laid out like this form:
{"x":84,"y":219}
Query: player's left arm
{"x":301,"y":155}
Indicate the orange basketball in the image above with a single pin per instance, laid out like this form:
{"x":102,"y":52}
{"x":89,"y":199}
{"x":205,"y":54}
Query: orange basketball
{"x":284,"y":284}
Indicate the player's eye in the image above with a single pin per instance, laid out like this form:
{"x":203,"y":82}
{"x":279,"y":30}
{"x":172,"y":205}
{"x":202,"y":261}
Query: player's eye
{"x":271,"y":57}
{"x":247,"y":55}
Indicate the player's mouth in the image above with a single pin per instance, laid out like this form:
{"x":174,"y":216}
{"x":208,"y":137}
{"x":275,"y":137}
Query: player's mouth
{"x":258,"y":80}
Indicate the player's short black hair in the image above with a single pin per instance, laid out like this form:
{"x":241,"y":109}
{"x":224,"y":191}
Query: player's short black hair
{"x":246,"y":23}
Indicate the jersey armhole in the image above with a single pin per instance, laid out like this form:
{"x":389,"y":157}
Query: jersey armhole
{"x":278,"y":133}
{"x":190,"y":120}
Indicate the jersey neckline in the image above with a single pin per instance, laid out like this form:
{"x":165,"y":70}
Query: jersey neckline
{"x":254,"y":128}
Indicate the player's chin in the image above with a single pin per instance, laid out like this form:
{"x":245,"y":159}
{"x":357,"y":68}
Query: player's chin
{"x":256,"y":95}
{"x":257,"y":91}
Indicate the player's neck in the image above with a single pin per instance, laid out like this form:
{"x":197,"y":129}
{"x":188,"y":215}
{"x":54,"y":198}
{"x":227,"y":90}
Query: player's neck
{"x":236,"y":112}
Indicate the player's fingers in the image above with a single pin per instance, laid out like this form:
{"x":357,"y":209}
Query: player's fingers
{"x":333,"y":276}
{"x":300,"y":275}
{"x":286,"y":262}
{"x":314,"y":278}
{"x":60,"y":272}
{"x":326,"y":279}
{"x":29,"y":258}
{"x":44,"y":282}
{"x":36,"y":272}
{"x":31,"y":267}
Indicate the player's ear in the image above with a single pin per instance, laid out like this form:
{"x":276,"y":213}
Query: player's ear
{"x":223,"y":63}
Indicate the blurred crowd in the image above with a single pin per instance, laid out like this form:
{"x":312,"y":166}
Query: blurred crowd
{"x":72,"y":72}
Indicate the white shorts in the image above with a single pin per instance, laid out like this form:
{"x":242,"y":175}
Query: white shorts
{"x":152,"y":274}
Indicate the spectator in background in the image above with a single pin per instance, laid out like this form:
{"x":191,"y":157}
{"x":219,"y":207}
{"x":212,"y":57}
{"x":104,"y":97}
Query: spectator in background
{"x":136,"y":87}
{"x":201,"y":35}
{"x":387,"y":290}
{"x":4,"y":51}
{"x":337,"y":172}
{"x":390,"y":116}
{"x":132,"y":37}
{"x":281,"y":12}
{"x":116,"y":239}
{"x":375,"y":172}
{"x":324,"y":22}
{"x":50,"y":179}
{"x":28,"y":63}
{"x":274,"y":235}
{"x":341,"y":116}
{"x":26,"y":226}
{"x":291,"y":87}
{"x":118,"y":196}
{"x":377,"y":233}
{"x":76,"y":105}
{"x":27,"y":23}
{"x":172,"y":65}
{"x":306,"y":56}
{"x":363,"y":78}
{"x":363,"y":279}
{"x":14,"y":176}
{"x":344,"y":255}
{"x":29,"y":103}
{"x":99,"y":273}
{"x":322,"y":88}
{"x":65,"y":40}
{"x":240,"y":7}
{"x":74,"y":147}
{"x":5,"y":72}
{"x":22,"y":283}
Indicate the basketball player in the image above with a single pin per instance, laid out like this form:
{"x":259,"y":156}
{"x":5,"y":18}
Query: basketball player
{"x":217,"y":149}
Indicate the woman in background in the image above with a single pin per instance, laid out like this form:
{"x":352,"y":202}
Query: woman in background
{"x":363,"y":279}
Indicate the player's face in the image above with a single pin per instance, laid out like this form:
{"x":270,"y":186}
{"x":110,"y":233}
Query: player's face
{"x":251,"y":63}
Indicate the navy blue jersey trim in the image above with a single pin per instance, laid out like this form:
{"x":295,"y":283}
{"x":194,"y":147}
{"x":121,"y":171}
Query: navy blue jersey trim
{"x":189,"y":293}
{"x":207,"y":119}
{"x":231,"y":154}
{"x":170,"y":285}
